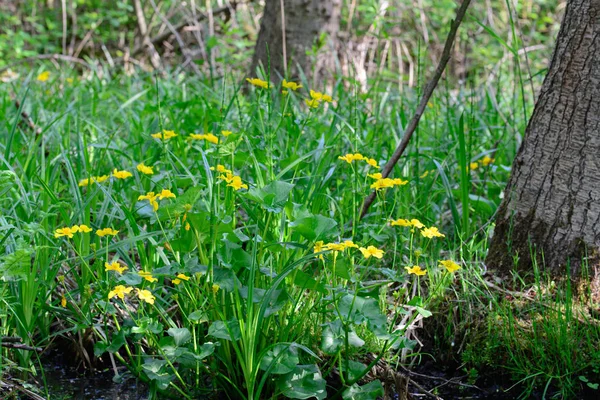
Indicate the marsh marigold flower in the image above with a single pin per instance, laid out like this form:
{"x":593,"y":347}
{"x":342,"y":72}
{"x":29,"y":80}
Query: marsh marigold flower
{"x":416,"y":223}
{"x":415,"y":270}
{"x":290,"y":85}
{"x":151,"y":197}
{"x":376,"y":175}
{"x":145,"y":295}
{"x":44,"y":76}
{"x":63,"y":301}
{"x":349,"y":158}
{"x":237,"y":184}
{"x":93,"y":179}
{"x":164,"y":135}
{"x":60,"y":232}
{"x":165,"y":194}
{"x":258,"y":83}
{"x":114,"y":266}
{"x":180,"y":277}
{"x":221,"y":168}
{"x":312,"y":103}
{"x":226,"y":133}
{"x":472,"y":166}
{"x":450,"y":265}
{"x":81,"y":228}
{"x":107,"y":231}
{"x":147,"y":276}
{"x":209,"y":137}
{"x":432,"y":232}
{"x":401,"y":222}
{"x":119,"y":291}
{"x":215,"y":288}
{"x":121,"y":174}
{"x":371,"y":251}
{"x":372,"y":162}
{"x":145,"y":169}
{"x":487,"y":160}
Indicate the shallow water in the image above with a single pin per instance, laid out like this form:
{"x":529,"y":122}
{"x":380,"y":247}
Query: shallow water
{"x":67,"y":383}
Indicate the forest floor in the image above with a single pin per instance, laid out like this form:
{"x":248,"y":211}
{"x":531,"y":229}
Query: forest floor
{"x":206,"y":241}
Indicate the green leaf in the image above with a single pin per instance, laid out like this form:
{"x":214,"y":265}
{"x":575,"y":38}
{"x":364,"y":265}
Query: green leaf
{"x":131,"y":279}
{"x":271,"y":197}
{"x":198,"y":316}
{"x":355,"y":370}
{"x":425,"y":313}
{"x":281,"y":359}
{"x":314,"y":227}
{"x":304,"y":382}
{"x":334,"y":337}
{"x":370,"y":391}
{"x":180,"y":335}
{"x":227,"y":331}
{"x":364,"y":310}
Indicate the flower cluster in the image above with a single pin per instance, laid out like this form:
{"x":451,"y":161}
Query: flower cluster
{"x":93,"y":179}
{"x":368,"y":252}
{"x":70,"y":231}
{"x":209,"y":137}
{"x":484,"y":162}
{"x":120,"y":291}
{"x":145,"y":169}
{"x":316,"y":98}
{"x":152,"y":197}
{"x":232,"y":180}
{"x":384,"y":183}
{"x":164,"y":135}
{"x":430,"y":232}
{"x":349,"y":158}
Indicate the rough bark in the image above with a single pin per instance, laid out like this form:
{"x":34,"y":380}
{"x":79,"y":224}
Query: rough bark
{"x":305,"y":21}
{"x":551,"y":205}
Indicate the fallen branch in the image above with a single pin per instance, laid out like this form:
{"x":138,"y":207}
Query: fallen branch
{"x":20,"y":346}
{"x":431,"y":85}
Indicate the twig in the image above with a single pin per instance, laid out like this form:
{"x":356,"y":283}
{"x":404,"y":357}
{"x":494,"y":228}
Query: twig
{"x":431,"y":85}
{"x":20,"y":346}
{"x":11,"y":339}
{"x":141,"y":20}
{"x":446,"y":381}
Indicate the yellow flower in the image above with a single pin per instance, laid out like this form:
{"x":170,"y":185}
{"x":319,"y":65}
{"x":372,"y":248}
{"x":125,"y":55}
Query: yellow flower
{"x":383,"y":183}
{"x":312,"y":103}
{"x":316,"y":95}
{"x":401,"y":222}
{"x":327,"y":98}
{"x":114,"y":266}
{"x":416,"y":223}
{"x":187,"y":226}
{"x":372,"y":162}
{"x":415,"y":270}
{"x":258,"y":83}
{"x":121,"y":174}
{"x":226,"y":133}
{"x":145,"y":169}
{"x":44,"y":76}
{"x":335,"y":246}
{"x":350,"y":244}
{"x":64,"y":232}
{"x":221,"y":169}
{"x":82,"y":228}
{"x":63,"y":301}
{"x":181,"y":277}
{"x":69,"y":80}
{"x":215,"y":288}
{"x":290,"y":85}
{"x":432,"y":232}
{"x":318,"y":246}
{"x":119,"y":291}
{"x":352,"y":157}
{"x":472,"y":166}
{"x":450,"y":265}
{"x":376,"y":175}
{"x":147,"y":276}
{"x":209,"y":137}
{"x":371,"y":251}
{"x":284,"y":92}
{"x":93,"y":179}
{"x":164,"y":135}
{"x":424,"y":175}
{"x":166,"y":194}
{"x":236,"y":183}
{"x":106,"y":231}
{"x":151,"y":197}
{"x":487,"y":160}
{"x":145,"y":295}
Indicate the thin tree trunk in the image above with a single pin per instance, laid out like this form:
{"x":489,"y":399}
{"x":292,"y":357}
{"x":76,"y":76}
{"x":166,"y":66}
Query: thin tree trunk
{"x":305,"y":21}
{"x":551,"y":206}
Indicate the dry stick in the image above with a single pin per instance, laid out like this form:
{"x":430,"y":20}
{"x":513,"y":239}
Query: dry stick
{"x":141,"y":20}
{"x":431,"y":85}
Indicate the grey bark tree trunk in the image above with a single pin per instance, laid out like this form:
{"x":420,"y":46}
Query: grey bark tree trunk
{"x":305,"y":21}
{"x":551,"y":204}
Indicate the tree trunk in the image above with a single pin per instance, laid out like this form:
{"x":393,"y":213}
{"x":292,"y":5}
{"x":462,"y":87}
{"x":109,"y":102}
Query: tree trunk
{"x":551,"y":205}
{"x":305,"y":21}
